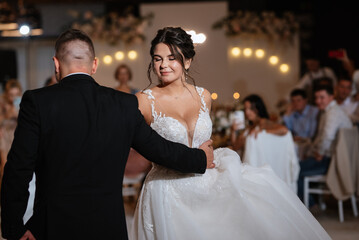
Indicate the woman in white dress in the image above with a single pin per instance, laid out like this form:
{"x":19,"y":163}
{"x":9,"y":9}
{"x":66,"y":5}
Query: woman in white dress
{"x":231,"y":201}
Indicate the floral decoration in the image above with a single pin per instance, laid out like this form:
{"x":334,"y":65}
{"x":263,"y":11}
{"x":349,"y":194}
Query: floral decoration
{"x":112,"y":27}
{"x":264,"y":25}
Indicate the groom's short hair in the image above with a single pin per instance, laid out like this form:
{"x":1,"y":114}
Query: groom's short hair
{"x":69,"y":36}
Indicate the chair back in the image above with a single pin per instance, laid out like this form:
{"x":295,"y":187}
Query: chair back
{"x":276,"y":151}
{"x":343,"y":173}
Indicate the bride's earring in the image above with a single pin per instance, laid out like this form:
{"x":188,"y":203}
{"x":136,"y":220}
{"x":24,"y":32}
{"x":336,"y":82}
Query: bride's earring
{"x":186,"y":74}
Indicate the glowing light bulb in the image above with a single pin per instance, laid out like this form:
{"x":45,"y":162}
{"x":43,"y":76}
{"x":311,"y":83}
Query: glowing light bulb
{"x":107,"y":59}
{"x":236,"y":51}
{"x":119,"y":55}
{"x":247,"y":52}
{"x":24,"y":30}
{"x":132,"y":55}
{"x":236,"y":95}
{"x":284,"y":68}
{"x":260,"y":53}
{"x":214,"y":96}
{"x":273,"y":60}
{"x":197,"y":38}
{"x":191,"y":32}
{"x":200,"y":38}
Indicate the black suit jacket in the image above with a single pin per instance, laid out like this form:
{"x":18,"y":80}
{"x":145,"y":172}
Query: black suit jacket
{"x":76,"y":136}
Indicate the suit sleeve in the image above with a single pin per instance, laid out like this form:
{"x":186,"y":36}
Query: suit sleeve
{"x":19,"y":169}
{"x":161,"y":151}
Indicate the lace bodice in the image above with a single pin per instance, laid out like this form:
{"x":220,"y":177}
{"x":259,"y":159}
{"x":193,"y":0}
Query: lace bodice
{"x":173,"y":130}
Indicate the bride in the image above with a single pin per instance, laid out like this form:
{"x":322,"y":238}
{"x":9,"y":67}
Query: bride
{"x":231,"y":201}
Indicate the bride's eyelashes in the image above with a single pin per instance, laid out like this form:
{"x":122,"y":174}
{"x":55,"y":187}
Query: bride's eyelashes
{"x":170,"y":58}
{"x":156,"y":59}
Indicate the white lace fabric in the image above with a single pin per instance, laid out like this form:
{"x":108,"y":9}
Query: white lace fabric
{"x":172,"y":129}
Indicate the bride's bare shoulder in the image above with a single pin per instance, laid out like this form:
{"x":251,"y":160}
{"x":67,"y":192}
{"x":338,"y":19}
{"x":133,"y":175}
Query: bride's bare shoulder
{"x":146,"y":93}
{"x":206,"y":95}
{"x":145,"y":99}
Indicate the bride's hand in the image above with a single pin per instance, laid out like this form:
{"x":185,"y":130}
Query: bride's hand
{"x":208,"y":149}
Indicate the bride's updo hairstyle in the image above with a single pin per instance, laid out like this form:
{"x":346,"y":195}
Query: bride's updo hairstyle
{"x":180,"y":44}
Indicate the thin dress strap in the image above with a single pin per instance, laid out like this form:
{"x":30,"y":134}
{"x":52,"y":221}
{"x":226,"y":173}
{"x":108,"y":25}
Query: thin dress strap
{"x":200,"y":93}
{"x":148,"y":92}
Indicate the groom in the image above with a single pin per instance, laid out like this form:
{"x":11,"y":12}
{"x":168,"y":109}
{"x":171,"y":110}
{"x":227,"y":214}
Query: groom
{"x":76,"y":136}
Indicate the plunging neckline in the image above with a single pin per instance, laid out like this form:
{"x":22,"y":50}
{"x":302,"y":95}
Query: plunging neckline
{"x":182,"y":125}
{"x":203,"y":108}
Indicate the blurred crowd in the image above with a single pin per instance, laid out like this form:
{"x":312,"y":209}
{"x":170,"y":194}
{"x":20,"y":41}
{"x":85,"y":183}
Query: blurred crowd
{"x":316,"y":108}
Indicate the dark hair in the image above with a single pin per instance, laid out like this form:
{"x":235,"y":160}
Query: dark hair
{"x":299,"y":92}
{"x":73,"y":35}
{"x":179,"y":42}
{"x":322,"y":81}
{"x":326,"y":87}
{"x":345,"y":79}
{"x":257,"y":105}
{"x":127,"y":68}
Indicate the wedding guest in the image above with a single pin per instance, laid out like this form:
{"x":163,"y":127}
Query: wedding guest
{"x":9,"y":107}
{"x":332,"y":118}
{"x":353,"y":74}
{"x":345,"y":100}
{"x":258,"y":119}
{"x":315,"y":71}
{"x":123,"y":75}
{"x":300,"y":117}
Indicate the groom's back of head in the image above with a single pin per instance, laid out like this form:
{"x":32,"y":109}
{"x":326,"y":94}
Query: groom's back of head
{"x":74,"y":47}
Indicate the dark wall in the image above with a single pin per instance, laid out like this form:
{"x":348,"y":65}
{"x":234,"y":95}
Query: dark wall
{"x":8,"y":65}
{"x":325,"y":25}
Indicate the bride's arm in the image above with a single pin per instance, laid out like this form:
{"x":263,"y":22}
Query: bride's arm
{"x":145,"y":106}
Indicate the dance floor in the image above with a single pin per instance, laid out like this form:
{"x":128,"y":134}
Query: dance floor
{"x":348,"y":230}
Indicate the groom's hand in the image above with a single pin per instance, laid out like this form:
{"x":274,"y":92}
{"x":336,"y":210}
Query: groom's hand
{"x":208,"y":149}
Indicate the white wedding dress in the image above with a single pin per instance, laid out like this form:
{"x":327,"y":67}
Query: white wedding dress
{"x":231,"y":201}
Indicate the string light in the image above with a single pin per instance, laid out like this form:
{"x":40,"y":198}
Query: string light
{"x":236,"y":51}
{"x":107,"y":59}
{"x":284,"y":68}
{"x":214,"y":96}
{"x":236,"y":95}
{"x":132,"y":55}
{"x":247,"y":52}
{"x":119,"y":55}
{"x":260,"y":53}
{"x":273,"y":60}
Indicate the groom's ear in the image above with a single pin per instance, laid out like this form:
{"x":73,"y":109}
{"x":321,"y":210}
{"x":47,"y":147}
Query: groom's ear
{"x":94,"y":65}
{"x":57,"y":64}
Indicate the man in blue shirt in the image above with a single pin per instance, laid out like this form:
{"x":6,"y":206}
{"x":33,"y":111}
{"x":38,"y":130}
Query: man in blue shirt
{"x":301,"y":118}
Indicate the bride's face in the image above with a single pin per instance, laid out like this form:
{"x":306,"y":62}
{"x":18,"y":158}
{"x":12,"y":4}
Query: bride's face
{"x":167,"y":68}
